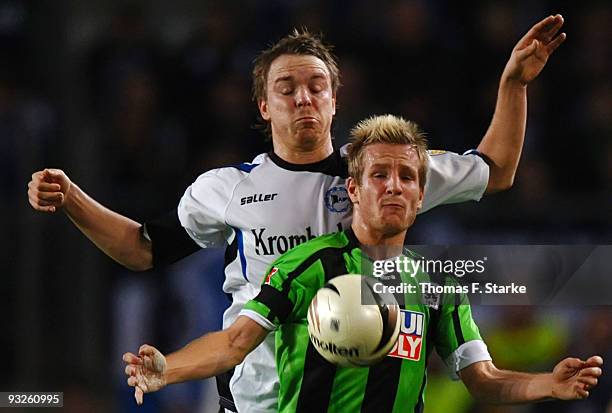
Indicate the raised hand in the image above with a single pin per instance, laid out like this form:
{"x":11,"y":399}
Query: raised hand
{"x":48,"y":190}
{"x":146,"y":372}
{"x":573,"y":378}
{"x":531,"y":53}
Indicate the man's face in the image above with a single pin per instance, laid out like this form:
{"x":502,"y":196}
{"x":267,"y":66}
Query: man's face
{"x":300,"y":104}
{"x":389,"y":195}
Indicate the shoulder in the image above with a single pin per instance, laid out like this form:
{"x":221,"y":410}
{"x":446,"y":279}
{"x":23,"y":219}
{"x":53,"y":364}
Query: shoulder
{"x":230,"y":174}
{"x":312,"y":250}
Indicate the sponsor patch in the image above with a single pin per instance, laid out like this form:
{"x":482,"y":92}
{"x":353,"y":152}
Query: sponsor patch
{"x":410,"y":340}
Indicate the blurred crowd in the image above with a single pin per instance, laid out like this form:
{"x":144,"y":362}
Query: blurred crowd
{"x":135,"y":100}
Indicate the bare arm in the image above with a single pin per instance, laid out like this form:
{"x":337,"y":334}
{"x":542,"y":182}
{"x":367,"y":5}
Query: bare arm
{"x":215,"y":353}
{"x":571,"y":379}
{"x":503,"y":142}
{"x":119,"y":237}
{"x":204,"y":357}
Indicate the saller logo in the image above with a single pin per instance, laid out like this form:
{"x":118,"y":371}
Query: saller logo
{"x":409,"y":342}
{"x":257,"y":198}
{"x":334,"y":349}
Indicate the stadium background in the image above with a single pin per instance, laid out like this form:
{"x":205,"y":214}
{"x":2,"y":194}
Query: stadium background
{"x":134,"y":101}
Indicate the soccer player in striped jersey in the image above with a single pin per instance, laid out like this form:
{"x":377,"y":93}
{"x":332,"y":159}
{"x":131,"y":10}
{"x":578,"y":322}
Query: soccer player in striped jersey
{"x":388,"y":169}
{"x":261,"y":209}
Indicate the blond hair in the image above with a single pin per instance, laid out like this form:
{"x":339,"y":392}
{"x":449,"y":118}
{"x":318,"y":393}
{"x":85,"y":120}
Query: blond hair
{"x":386,"y":129}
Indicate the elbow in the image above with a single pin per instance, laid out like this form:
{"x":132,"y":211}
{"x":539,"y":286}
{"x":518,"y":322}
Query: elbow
{"x":137,"y":266}
{"x":500,"y":181}
{"x":138,"y":262}
{"x":236,"y":358}
{"x":479,"y":379}
{"x":140,"y":258}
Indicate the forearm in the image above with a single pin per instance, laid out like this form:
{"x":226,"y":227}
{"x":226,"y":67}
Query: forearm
{"x":119,"y":237}
{"x":503,"y":142}
{"x":504,"y":386}
{"x":207,"y":356}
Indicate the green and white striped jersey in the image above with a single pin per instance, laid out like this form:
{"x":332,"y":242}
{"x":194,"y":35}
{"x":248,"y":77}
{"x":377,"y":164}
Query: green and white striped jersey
{"x":308,"y":383}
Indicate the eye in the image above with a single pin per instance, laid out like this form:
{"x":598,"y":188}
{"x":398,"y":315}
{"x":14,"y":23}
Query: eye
{"x":286,"y":91}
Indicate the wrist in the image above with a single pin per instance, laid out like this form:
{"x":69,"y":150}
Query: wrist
{"x":545,"y":387}
{"x":70,"y":197}
{"x":512,"y":83}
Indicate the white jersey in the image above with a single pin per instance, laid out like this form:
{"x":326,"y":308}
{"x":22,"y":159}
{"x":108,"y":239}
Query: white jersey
{"x":262,"y":209}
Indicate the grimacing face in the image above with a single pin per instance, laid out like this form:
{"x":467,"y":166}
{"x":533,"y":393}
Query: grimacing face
{"x":389,"y":196}
{"x":299,"y":104}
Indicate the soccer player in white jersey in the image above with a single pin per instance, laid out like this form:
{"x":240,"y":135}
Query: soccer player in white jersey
{"x":261,"y":209}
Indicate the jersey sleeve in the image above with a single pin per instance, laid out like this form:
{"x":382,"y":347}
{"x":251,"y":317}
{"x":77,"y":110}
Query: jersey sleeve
{"x":286,"y":293}
{"x":454,"y":178}
{"x":201,"y":210}
{"x":458,"y":340}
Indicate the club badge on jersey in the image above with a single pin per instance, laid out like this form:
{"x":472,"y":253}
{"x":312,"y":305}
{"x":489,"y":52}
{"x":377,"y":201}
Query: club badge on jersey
{"x":410,"y":340}
{"x":337,"y":199}
{"x":273,"y":271}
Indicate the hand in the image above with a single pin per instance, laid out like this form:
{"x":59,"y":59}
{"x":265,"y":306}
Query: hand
{"x":146,"y":372}
{"x":48,"y":190}
{"x":531,"y":53}
{"x":573,"y":378}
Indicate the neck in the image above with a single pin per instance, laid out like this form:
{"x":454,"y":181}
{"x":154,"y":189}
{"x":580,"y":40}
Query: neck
{"x":375,"y":243}
{"x":306,"y":153}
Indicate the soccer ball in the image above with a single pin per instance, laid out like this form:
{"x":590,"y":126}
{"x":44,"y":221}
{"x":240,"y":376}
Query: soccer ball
{"x":348,"y":333}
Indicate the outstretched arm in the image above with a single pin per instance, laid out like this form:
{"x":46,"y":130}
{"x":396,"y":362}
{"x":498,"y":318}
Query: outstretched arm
{"x":204,"y":357}
{"x":571,"y":379}
{"x":119,"y":237}
{"x":503,"y":142}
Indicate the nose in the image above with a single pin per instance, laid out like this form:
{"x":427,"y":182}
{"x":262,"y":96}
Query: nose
{"x":394,"y":184}
{"x":302,"y":97}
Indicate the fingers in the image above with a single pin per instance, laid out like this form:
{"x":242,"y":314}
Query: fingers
{"x":552,"y":46}
{"x":544,"y":31}
{"x":152,"y":358}
{"x":594,"y":361}
{"x":588,"y":381}
{"x":43,"y":195}
{"x":51,"y":198}
{"x":45,"y":186}
{"x":529,"y":50}
{"x":131,"y":358}
{"x":130,"y":370}
{"x":546,"y":26}
{"x":551,"y":29}
{"x":53,"y":175}
{"x":572,"y":363}
{"x":138,"y":395}
{"x":582,"y":393}
{"x":590,"y":371}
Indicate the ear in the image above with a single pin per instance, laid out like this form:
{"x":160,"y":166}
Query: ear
{"x":263,"y":110}
{"x":353,"y":190}
{"x":420,"y":202}
{"x":334,"y":104}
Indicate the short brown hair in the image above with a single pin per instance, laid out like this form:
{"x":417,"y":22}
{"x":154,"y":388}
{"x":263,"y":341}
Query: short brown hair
{"x":386,"y":129}
{"x":298,"y":42}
